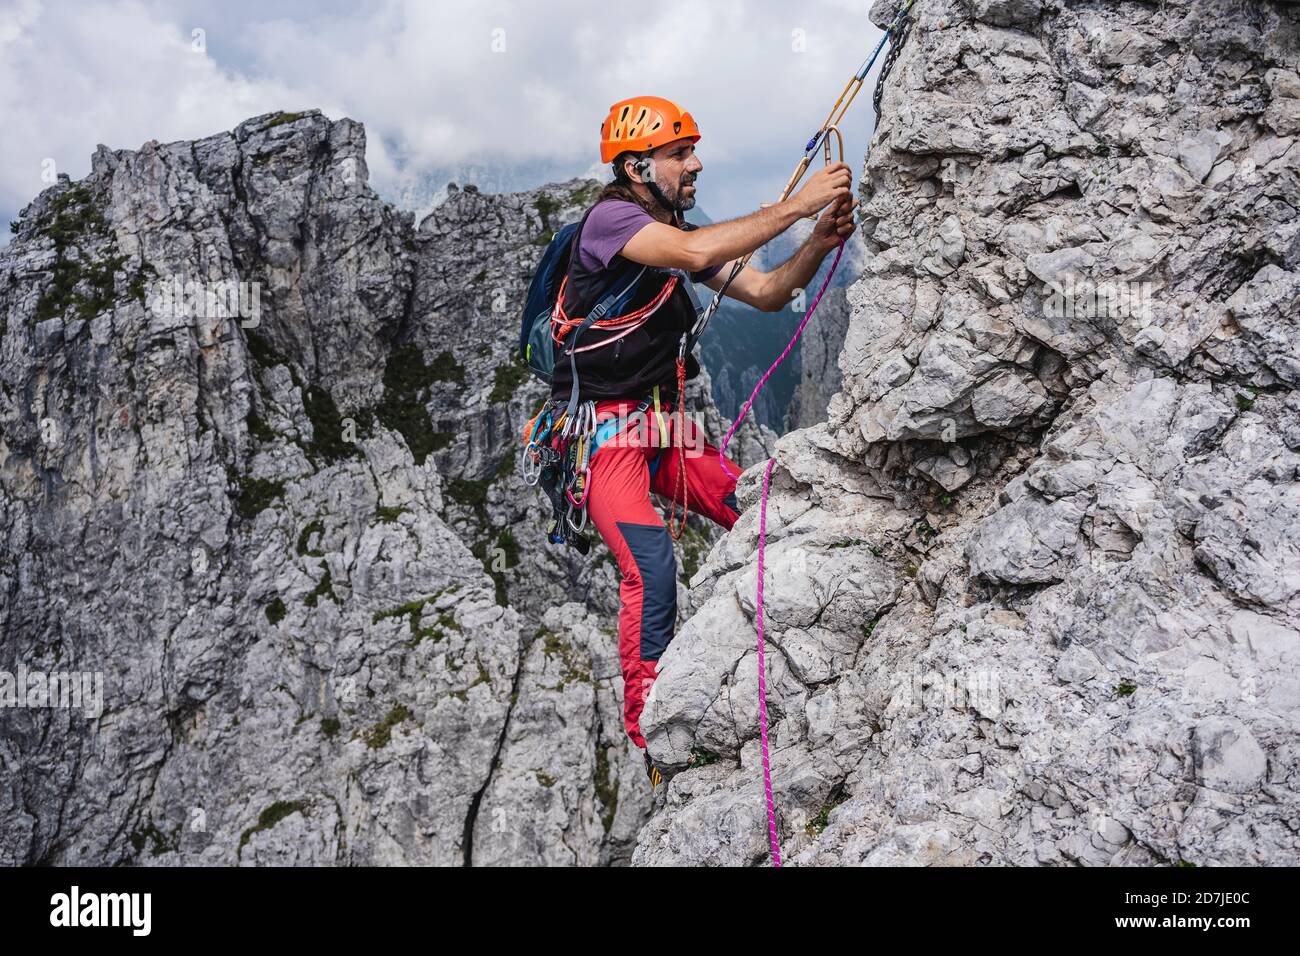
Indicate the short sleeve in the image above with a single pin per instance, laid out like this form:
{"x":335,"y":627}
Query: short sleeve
{"x":704,"y":275}
{"x":609,"y":227}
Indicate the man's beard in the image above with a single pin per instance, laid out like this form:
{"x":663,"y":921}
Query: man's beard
{"x":682,"y":202}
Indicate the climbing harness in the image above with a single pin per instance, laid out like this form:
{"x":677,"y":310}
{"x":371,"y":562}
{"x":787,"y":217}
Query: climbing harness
{"x":897,"y":29}
{"x":559,"y":446}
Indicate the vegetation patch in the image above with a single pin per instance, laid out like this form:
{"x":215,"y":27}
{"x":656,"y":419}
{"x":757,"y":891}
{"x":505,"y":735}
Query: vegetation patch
{"x":82,"y":283}
{"x":414,"y":612}
{"x":695,"y":548}
{"x":389,"y":515}
{"x":1125,"y":689}
{"x":327,"y":441}
{"x":275,"y":610}
{"x":262,"y":351}
{"x":378,"y":736}
{"x":407,"y":377}
{"x":258,"y":428}
{"x":254,"y":495}
{"x":488,"y":555}
{"x":282,"y":119}
{"x":507,"y":380}
{"x":445,"y":368}
{"x":472,"y":493}
{"x":304,"y":538}
{"x":606,"y":789}
{"x":545,"y":206}
{"x":151,"y":833}
{"x":270,"y":817}
{"x":573,"y":666}
{"x":329,"y":726}
{"x":324,"y":589}
{"x":584,"y":196}
{"x":701,"y":758}
{"x":818,"y":823}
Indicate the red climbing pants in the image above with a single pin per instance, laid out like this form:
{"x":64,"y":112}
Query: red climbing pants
{"x":624,"y":471}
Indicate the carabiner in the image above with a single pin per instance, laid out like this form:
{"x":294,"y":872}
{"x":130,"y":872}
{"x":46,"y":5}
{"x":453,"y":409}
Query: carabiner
{"x":576,"y":528}
{"x":582,"y":481}
{"x":530,"y":465}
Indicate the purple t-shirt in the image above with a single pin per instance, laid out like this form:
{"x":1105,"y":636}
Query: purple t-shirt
{"x":609,"y":227}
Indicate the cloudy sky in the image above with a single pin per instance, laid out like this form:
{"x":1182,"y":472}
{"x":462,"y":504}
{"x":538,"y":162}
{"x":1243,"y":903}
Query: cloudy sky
{"x":504,"y":92}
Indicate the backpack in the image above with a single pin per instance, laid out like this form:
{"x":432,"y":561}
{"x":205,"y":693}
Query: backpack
{"x":536,"y":347}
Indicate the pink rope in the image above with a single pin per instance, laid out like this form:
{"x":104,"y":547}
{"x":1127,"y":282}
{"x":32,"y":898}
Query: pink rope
{"x":762,"y":541}
{"x":768,"y":374}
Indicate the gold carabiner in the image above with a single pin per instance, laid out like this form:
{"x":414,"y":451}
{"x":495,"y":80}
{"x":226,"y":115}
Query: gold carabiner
{"x":839,"y":140}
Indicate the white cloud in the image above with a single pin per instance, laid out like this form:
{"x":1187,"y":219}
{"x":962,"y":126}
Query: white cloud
{"x":424,"y":78}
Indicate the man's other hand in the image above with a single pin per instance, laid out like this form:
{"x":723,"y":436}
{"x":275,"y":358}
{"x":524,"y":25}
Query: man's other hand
{"x":835,"y":225}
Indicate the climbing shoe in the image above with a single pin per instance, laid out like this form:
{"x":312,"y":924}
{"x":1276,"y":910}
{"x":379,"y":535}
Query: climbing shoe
{"x":652,"y":772}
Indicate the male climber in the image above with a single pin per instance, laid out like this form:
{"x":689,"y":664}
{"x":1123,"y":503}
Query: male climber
{"x":637,"y":219}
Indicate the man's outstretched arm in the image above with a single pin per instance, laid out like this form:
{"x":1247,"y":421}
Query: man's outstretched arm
{"x":772,"y":291}
{"x":658,"y":244}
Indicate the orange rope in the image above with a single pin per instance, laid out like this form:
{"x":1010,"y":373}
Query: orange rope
{"x":562,"y":323}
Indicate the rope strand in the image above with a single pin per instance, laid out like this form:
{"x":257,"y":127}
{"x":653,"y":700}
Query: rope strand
{"x":897,"y":33}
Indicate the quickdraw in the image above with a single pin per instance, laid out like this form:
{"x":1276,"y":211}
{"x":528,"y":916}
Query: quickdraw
{"x":557,"y":454}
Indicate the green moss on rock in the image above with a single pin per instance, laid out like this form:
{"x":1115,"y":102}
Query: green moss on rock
{"x":283,"y":118}
{"x":606,"y":789}
{"x":407,"y":378}
{"x":304,"y":538}
{"x":327,"y":437}
{"x":270,"y":817}
{"x":506,"y":381}
{"x":379,"y":736}
{"x":82,"y":283}
{"x":573,"y":666}
{"x":254,"y":495}
{"x":324,"y":589}
{"x":388,"y":515}
{"x":275,"y":610}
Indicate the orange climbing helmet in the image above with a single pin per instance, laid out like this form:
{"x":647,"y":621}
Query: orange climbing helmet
{"x":643,"y":123}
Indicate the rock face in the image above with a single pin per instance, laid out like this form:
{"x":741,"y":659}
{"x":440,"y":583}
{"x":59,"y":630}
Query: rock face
{"x":819,"y":369}
{"x":257,"y":438}
{"x":1033,"y":590}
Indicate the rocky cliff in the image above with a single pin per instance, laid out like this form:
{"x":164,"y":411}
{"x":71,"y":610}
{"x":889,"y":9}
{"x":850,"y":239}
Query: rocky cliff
{"x":257,"y":438}
{"x":1033,"y":590}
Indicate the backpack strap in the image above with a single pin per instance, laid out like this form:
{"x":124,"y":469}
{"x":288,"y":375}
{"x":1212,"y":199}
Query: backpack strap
{"x":598,"y":312}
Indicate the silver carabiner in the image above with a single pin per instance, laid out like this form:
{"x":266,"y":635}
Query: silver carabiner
{"x":568,"y":517}
{"x":530,"y":465}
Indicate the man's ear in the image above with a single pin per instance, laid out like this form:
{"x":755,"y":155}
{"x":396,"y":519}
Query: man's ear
{"x":645,"y":166}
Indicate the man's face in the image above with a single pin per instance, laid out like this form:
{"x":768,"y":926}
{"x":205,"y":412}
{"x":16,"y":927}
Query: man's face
{"x":675,"y":168}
